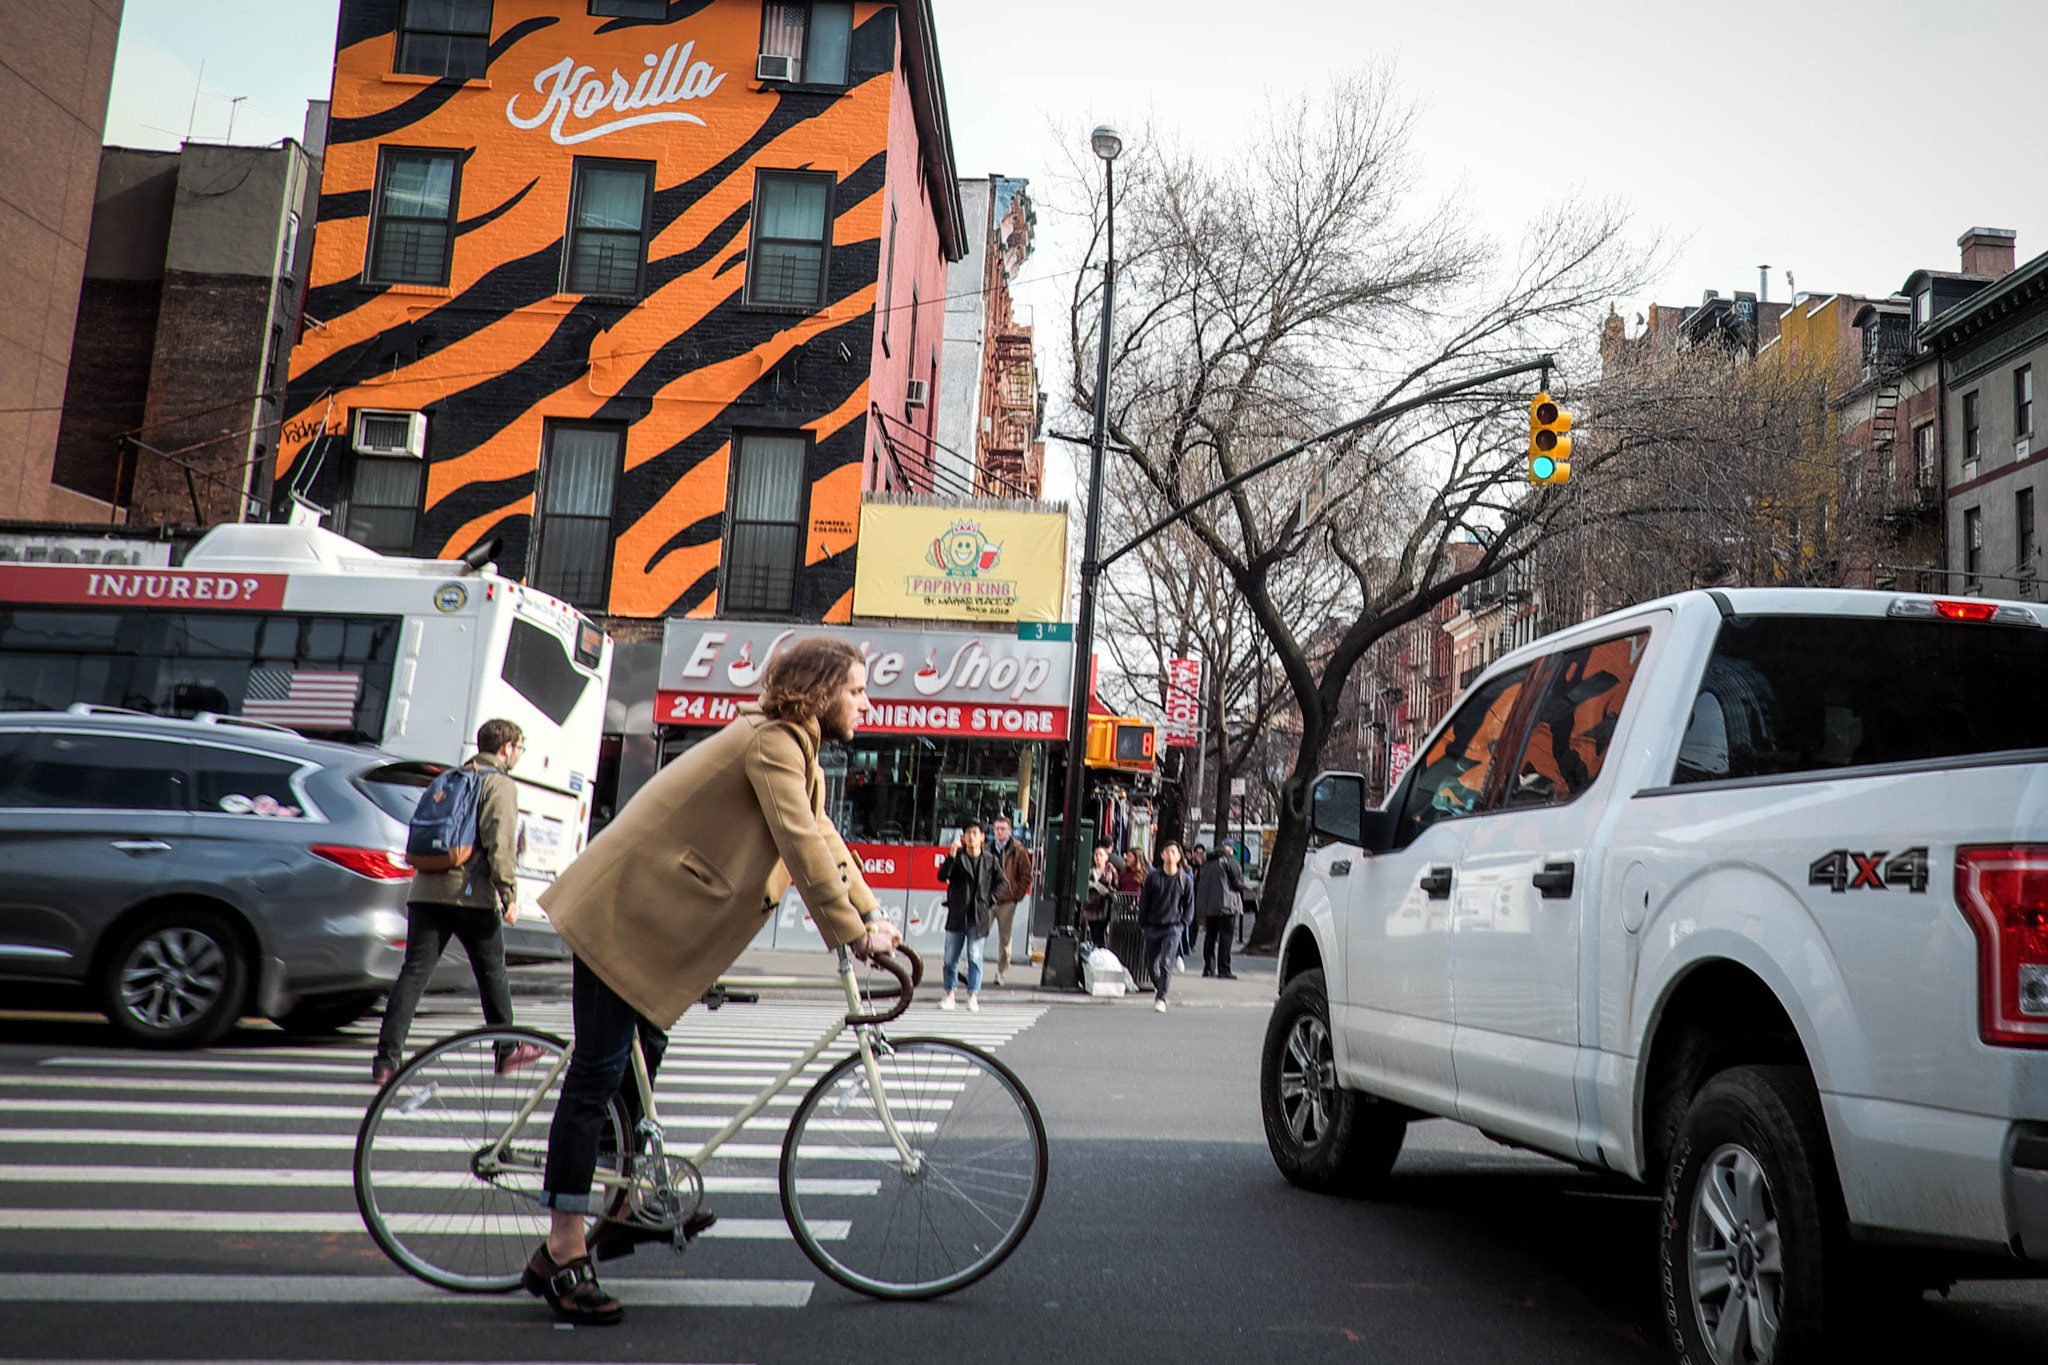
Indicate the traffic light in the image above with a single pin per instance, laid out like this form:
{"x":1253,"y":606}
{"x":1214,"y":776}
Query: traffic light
{"x":1550,"y":445}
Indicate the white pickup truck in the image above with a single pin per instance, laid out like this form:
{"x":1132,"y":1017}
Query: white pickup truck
{"x":1742,"y":894}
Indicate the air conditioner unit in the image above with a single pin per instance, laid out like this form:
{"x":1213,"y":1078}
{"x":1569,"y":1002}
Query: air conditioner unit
{"x":775,"y":68}
{"x":391,"y":433}
{"x":914,"y":395}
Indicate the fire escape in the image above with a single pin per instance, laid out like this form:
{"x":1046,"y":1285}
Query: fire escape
{"x":1012,"y":459}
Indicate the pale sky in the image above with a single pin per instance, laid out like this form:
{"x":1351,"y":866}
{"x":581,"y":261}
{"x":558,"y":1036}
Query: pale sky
{"x":1848,"y":141}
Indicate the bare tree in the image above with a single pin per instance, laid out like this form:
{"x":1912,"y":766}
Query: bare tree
{"x":1271,"y":291}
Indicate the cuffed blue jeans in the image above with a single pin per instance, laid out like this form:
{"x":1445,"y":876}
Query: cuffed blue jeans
{"x":605,"y":1025}
{"x":971,"y":942}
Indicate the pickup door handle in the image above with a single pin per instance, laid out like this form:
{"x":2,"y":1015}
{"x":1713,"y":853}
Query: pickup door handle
{"x":1554,"y":881}
{"x":1437,"y":882}
{"x":1341,"y":868}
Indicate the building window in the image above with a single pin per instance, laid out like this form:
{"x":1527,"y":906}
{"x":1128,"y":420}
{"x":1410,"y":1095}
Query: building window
{"x":291,"y":247}
{"x":573,"y":531}
{"x":415,"y":221}
{"x":2023,"y":401}
{"x":1923,"y":306}
{"x":273,"y":366}
{"x":1973,"y":547}
{"x":629,"y":9}
{"x":446,"y":38}
{"x":792,"y":237}
{"x":815,"y":37}
{"x":608,"y":216}
{"x":764,"y":544}
{"x":1972,"y":446}
{"x":383,"y":503}
{"x":1923,"y":455}
{"x":2023,"y":533}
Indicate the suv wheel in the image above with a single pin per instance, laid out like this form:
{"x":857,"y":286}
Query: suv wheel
{"x":1322,"y":1136}
{"x":176,"y":979}
{"x":327,"y":1013}
{"x":1752,"y":1234}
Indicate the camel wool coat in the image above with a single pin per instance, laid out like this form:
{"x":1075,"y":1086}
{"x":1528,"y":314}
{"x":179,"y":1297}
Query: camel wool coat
{"x":670,"y":893}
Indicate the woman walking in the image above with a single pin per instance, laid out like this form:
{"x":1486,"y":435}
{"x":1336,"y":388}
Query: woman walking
{"x":972,"y":874}
{"x":1166,"y":907}
{"x":1102,"y":889}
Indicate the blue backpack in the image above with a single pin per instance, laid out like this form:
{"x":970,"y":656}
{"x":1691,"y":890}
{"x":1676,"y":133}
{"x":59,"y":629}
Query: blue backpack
{"x":442,"y":834}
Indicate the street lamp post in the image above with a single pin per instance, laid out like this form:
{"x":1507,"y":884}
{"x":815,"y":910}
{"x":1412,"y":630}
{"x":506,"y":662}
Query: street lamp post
{"x":1106,"y":144}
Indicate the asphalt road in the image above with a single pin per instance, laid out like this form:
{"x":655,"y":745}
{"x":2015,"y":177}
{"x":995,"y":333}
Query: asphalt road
{"x":1166,"y":1233}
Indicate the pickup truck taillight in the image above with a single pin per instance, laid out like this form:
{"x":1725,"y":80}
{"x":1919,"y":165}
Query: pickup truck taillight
{"x":2003,"y":890}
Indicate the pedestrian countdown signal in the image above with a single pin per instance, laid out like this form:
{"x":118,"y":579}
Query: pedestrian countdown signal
{"x":1550,"y":445}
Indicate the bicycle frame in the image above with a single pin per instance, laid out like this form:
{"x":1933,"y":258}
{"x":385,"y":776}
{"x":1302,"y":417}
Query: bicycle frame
{"x":496,"y":1161}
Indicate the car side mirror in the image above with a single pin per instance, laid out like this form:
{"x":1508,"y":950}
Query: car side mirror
{"x":1336,"y":808}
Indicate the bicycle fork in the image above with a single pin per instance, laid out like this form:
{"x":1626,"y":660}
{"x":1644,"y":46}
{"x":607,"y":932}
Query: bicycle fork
{"x":871,"y":1065}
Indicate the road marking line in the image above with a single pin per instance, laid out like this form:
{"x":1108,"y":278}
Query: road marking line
{"x":73,"y":1288}
{"x":319,"y":1142}
{"x":343,"y":1178}
{"x":274,"y":1221}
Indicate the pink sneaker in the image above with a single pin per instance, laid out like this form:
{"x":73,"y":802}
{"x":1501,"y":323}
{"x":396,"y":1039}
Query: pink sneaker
{"x":525,"y":1055}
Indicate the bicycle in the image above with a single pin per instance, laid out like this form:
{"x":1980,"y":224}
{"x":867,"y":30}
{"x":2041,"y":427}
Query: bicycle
{"x":910,"y":1169}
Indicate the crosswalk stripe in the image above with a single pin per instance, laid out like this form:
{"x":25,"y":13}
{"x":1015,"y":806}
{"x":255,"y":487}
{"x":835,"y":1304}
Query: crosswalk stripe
{"x":74,"y":1288}
{"x":316,"y":1142}
{"x":343,"y":1178}
{"x":338,"y":1113}
{"x":283,"y":1222}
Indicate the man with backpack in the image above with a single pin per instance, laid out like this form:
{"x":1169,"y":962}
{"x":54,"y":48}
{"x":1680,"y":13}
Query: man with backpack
{"x":464,"y":843}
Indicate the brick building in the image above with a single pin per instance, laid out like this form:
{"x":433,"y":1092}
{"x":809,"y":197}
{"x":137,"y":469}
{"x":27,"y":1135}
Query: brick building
{"x":56,"y":64}
{"x":989,"y":441}
{"x":646,"y":295}
{"x":193,"y":278}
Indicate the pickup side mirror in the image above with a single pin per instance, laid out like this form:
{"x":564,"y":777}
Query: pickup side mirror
{"x":1337,"y":813}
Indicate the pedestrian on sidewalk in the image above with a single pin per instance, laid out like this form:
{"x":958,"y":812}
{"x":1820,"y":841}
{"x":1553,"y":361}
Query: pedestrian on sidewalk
{"x":1166,"y":907}
{"x":1193,"y":866}
{"x":667,"y":896}
{"x":1102,"y":889}
{"x":973,"y":875}
{"x":1132,"y":879}
{"x":1016,"y":885}
{"x":1219,"y":900}
{"x":472,"y":902}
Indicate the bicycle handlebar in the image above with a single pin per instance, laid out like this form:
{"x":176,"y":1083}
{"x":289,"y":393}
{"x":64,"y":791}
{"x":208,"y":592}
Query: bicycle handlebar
{"x":901,"y":992}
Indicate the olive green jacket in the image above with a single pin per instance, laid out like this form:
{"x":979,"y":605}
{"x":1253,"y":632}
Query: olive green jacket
{"x":488,"y":881}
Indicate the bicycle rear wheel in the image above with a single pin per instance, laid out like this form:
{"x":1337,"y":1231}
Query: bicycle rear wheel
{"x":417,"y":1174}
{"x":980,"y":1177}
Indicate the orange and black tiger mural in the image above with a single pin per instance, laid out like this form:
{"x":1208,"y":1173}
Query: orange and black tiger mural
{"x":622,"y":286}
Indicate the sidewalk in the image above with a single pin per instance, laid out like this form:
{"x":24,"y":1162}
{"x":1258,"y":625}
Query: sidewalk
{"x":792,"y":975}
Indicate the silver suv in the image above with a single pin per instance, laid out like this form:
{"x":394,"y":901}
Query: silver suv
{"x":191,"y":871}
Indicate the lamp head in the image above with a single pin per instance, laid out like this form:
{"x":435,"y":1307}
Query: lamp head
{"x":1105,"y":142}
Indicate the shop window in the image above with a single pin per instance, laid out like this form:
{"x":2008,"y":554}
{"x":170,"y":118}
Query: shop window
{"x":383,"y":503}
{"x":764,"y":542}
{"x":815,"y":39}
{"x":446,"y":38}
{"x":578,"y":475}
{"x":792,"y":238}
{"x":415,"y":216}
{"x":608,"y":216}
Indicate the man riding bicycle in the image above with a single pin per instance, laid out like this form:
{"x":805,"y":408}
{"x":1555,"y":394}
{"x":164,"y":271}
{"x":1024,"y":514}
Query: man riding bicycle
{"x":667,"y":897}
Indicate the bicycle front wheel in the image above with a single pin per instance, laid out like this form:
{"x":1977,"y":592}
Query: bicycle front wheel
{"x":427,"y":1193}
{"x":968,"y":1198}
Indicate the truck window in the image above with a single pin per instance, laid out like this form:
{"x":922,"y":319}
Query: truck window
{"x":1451,"y":779}
{"x":1797,"y":694}
{"x":1573,"y":724}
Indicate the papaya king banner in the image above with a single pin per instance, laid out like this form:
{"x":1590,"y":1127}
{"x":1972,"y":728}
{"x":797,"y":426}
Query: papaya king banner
{"x":960,"y":564}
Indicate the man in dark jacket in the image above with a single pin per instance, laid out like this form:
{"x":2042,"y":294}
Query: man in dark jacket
{"x":973,"y":878}
{"x":1016,"y":885}
{"x":1219,"y":899}
{"x":466,"y":903}
{"x":1166,"y":907}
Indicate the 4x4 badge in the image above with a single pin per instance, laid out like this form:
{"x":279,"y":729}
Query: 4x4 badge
{"x":1842,"y":871}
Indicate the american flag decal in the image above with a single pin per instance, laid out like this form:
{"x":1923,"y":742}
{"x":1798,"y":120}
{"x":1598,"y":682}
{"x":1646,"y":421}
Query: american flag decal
{"x":288,"y":696}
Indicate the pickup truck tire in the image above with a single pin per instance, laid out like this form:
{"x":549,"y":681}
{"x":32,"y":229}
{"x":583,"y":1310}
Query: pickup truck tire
{"x":1323,"y":1137}
{"x":1752,"y":1243}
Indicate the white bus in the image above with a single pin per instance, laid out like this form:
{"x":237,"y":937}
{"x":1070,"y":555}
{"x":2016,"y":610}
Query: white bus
{"x":304,"y":628}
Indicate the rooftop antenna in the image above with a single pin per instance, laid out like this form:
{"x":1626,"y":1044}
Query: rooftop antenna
{"x":192,"y":118}
{"x":1763,"y":284}
{"x":233,"y":105}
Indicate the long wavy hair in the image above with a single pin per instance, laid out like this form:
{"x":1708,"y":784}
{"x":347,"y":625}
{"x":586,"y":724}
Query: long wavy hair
{"x":803,"y":679}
